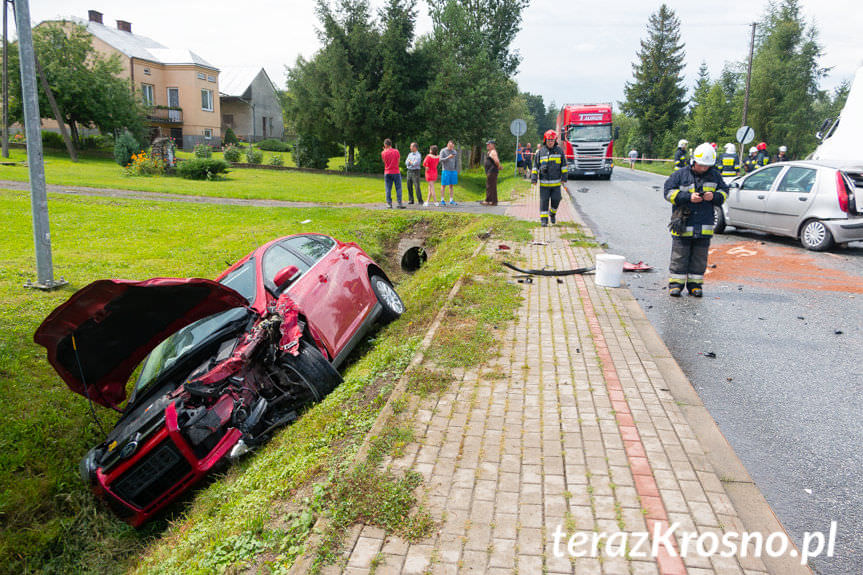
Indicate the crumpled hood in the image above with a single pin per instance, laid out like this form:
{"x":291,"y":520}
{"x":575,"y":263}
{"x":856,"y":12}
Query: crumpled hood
{"x":116,"y":323}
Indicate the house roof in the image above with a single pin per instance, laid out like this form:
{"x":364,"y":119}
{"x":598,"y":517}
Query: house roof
{"x":137,"y":46}
{"x":235,"y":81}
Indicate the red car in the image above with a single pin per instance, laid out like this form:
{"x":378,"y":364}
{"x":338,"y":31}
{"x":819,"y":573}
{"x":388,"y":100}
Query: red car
{"x":225,"y":362}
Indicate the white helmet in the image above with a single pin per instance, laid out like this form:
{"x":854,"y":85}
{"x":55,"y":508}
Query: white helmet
{"x":729,"y":148}
{"x":753,"y":150}
{"x":682,"y":144}
{"x":783,"y":149}
{"x":704,"y":155}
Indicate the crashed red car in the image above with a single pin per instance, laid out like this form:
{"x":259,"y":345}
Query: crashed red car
{"x":225,"y":362}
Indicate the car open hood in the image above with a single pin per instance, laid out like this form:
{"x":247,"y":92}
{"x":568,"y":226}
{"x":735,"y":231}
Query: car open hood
{"x":116,"y":323}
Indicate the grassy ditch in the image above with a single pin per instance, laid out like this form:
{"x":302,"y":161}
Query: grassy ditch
{"x":662,"y":168}
{"x":100,"y":172}
{"x":48,"y":520}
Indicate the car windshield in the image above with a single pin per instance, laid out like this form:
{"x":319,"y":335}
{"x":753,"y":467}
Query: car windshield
{"x":189,"y":338}
{"x":599,"y":133}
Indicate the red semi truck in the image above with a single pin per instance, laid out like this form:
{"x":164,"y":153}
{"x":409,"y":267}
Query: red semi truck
{"x":586,"y":137}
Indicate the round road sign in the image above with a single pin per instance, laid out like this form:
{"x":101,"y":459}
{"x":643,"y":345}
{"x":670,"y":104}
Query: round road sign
{"x":745,"y":135}
{"x":518,"y":127}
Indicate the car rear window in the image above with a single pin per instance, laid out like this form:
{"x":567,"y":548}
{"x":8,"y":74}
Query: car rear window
{"x":797,"y":180}
{"x":313,"y":247}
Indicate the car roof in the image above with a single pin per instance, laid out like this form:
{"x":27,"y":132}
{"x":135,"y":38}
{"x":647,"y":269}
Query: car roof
{"x":263,"y":247}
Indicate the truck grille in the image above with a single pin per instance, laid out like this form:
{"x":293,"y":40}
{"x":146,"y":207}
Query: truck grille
{"x":594,"y":156}
{"x":152,"y":476}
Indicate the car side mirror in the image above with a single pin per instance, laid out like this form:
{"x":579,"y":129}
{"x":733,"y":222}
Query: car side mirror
{"x":286,"y":276}
{"x":734,"y":185}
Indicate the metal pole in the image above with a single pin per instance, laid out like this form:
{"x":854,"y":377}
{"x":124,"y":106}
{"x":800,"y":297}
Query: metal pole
{"x":5,"y":81}
{"x":749,"y":74}
{"x":38,"y":195}
{"x":516,"y":155}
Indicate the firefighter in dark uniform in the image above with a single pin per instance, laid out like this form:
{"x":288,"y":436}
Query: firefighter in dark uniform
{"x":728,"y":163}
{"x":549,"y":169}
{"x":782,"y":156}
{"x":680,"y":160}
{"x":693,"y":193}
{"x":749,"y":162}
{"x":762,"y":158}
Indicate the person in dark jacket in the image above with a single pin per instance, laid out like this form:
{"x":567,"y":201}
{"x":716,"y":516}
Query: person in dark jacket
{"x":763,"y":157}
{"x":749,"y":162}
{"x":782,"y":156}
{"x":492,"y":167}
{"x":727,"y":162}
{"x":680,"y":160}
{"x":693,"y":192}
{"x":549,"y":169}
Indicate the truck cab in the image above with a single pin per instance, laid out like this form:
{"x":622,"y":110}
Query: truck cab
{"x":587,"y":139}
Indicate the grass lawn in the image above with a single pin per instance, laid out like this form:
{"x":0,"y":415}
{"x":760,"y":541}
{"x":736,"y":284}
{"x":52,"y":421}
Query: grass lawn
{"x":97,"y":172}
{"x":662,"y":168}
{"x":51,"y":523}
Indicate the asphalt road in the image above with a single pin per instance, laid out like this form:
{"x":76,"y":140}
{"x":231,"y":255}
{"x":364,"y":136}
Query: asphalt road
{"x":785,"y":388}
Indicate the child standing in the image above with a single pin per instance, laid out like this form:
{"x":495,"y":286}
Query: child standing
{"x":430,"y":164}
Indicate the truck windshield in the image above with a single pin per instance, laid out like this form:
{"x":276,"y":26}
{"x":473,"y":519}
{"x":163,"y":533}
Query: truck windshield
{"x":187,"y":339}
{"x":597,"y":133}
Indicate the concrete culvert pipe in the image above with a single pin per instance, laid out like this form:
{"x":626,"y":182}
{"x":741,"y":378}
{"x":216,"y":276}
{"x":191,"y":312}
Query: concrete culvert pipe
{"x":413,"y":258}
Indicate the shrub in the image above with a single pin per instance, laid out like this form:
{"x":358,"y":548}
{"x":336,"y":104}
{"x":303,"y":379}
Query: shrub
{"x":52,"y":140}
{"x":144,"y":164}
{"x":97,"y":142}
{"x":232,"y":153}
{"x":254,"y":156}
{"x":274,"y":145}
{"x":202,"y":168}
{"x":276,"y":160}
{"x":203,"y":151}
{"x":231,"y":137}
{"x":125,"y":146}
{"x":309,"y":152}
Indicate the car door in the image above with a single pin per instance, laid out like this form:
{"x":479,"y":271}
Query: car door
{"x":790,"y":200}
{"x":746,"y":204}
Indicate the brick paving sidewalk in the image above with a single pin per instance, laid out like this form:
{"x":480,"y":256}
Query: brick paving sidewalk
{"x":570,"y":427}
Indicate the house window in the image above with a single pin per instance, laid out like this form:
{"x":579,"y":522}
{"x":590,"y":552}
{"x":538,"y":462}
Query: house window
{"x":211,"y":78}
{"x":148,"y":94}
{"x":228,"y":120}
{"x":208,"y":134}
{"x":146,"y":71}
{"x":207,"y":100}
{"x":202,"y":76}
{"x":174,"y":97}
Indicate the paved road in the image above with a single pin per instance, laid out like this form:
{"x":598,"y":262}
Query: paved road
{"x":784,"y":388}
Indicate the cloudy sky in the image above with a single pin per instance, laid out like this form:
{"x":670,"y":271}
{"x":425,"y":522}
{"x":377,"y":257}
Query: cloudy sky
{"x":573,"y":51}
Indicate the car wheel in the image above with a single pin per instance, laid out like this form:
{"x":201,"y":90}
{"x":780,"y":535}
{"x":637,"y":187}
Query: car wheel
{"x":718,"y":220}
{"x":309,"y":376}
{"x":392,"y":304}
{"x":815,"y":236}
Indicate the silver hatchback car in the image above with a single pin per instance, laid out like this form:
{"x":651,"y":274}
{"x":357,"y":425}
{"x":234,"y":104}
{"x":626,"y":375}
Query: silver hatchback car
{"x":809,"y":200}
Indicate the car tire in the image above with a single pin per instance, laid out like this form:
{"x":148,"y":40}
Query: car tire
{"x":312,"y":370}
{"x":815,"y":236}
{"x":718,"y":220}
{"x":392,"y":304}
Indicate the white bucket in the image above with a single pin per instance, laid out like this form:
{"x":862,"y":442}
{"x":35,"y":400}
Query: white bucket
{"x":609,"y":267}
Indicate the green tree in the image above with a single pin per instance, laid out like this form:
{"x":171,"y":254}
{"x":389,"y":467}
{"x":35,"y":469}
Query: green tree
{"x":536,"y":108}
{"x":85,"y":84}
{"x":657,"y":96}
{"x":785,"y":76}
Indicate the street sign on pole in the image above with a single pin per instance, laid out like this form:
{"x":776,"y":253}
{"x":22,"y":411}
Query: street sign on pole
{"x":518,"y":127}
{"x":745,"y":135}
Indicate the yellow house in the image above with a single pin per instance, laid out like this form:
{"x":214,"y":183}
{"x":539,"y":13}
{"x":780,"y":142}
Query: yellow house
{"x":180,"y":88}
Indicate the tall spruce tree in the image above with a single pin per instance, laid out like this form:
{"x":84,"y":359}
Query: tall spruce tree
{"x":785,"y":76}
{"x":657,"y":96}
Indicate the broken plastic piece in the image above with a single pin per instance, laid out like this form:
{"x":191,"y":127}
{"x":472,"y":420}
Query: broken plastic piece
{"x":306,"y":222}
{"x":549,"y":272}
{"x":709,"y":354}
{"x":639,"y":267}
{"x":291,"y":333}
{"x":503,"y":247}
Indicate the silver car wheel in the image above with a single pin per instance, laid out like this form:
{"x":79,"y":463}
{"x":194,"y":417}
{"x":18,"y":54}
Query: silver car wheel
{"x":814,"y":233}
{"x":391,"y":298}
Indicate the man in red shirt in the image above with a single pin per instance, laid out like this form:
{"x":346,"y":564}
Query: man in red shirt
{"x":392,"y":175}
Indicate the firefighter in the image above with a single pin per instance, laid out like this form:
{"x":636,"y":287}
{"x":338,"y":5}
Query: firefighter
{"x":749,"y":162}
{"x":680,"y":155}
{"x":693,"y":192}
{"x":549,"y":169}
{"x":782,"y":156}
{"x":763,"y":157}
{"x":728,"y":163}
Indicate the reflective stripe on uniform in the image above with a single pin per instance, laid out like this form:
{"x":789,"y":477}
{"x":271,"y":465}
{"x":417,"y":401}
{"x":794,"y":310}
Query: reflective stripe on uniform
{"x":548,"y":183}
{"x":708,"y":187}
{"x":672,"y":195}
{"x":677,"y":279}
{"x":552,"y":210}
{"x":723,"y":193}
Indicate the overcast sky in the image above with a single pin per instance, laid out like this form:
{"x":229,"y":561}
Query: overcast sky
{"x":572,"y":51}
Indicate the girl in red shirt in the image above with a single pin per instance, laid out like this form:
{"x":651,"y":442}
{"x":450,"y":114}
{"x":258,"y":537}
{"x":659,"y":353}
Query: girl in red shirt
{"x":430,"y":163}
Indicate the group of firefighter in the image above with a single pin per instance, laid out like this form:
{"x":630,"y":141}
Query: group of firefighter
{"x":728,"y":162}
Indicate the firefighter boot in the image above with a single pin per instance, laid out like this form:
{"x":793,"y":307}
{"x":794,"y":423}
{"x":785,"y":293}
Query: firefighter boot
{"x":543,"y":220}
{"x":552,"y":215}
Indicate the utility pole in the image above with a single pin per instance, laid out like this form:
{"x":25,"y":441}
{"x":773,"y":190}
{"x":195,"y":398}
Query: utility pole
{"x":38,"y":195}
{"x":5,"y":134}
{"x":749,"y":74}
